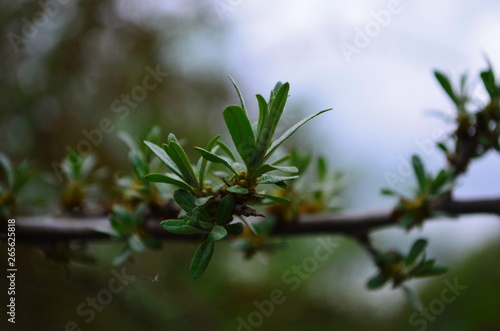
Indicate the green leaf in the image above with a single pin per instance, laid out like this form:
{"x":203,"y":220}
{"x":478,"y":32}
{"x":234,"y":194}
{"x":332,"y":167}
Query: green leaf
{"x":225,"y":209}
{"x":268,"y":167}
{"x":240,"y":96}
{"x":422,"y":268}
{"x":9,"y":170}
{"x":202,"y":201}
{"x":212,"y":157}
{"x":434,"y":271}
{"x":289,"y":133}
{"x":407,"y":221}
{"x":412,"y":298}
{"x":127,"y":139}
{"x":88,"y":163}
{"x":237,"y":189}
{"x":442,"y":147}
{"x":204,"y":162}
{"x":445,"y":83}
{"x":387,"y":191}
{"x":271,"y":179}
{"x":185,"y":199}
{"x":441,"y":179}
{"x":177,"y":154}
{"x":241,"y":132}
{"x":415,"y":251}
{"x":201,"y":215}
{"x":263,"y":113}
{"x":283,"y":185}
{"x":226,"y":150}
{"x":277,"y":105}
{"x":202,"y":258}
{"x":322,"y":169}
{"x":122,"y":257}
{"x":123,"y":215}
{"x":217,"y":233}
{"x":136,"y":244}
{"x":275,"y":91}
{"x":275,"y":199}
{"x":169,"y":179}
{"x":162,"y":155}
{"x":376,"y":282}
{"x":418,"y":167}
{"x":139,"y":167}
{"x":154,"y":134}
{"x":235,"y":229}
{"x":179,"y":227}
{"x":488,"y":78}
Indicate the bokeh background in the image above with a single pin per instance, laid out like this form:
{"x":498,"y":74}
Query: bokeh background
{"x":66,"y":65}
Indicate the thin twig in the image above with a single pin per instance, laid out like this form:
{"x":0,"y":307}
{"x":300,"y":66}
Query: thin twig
{"x":356,"y":224}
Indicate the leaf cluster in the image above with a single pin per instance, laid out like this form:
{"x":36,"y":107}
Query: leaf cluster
{"x":210,"y":200}
{"x":16,"y":178}
{"x":398,"y":268}
{"x":413,"y":211}
{"x":128,"y":227}
{"x":478,"y":128}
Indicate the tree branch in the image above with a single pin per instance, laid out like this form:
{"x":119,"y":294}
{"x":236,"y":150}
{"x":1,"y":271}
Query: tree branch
{"x":356,"y":224}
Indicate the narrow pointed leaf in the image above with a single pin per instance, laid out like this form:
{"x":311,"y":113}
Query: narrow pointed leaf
{"x":139,"y":167}
{"x":446,"y":85}
{"x":441,"y":179}
{"x":276,"y":107}
{"x":322,"y":169}
{"x":204,"y":162}
{"x":434,"y":271}
{"x":263,"y":113}
{"x":290,"y":132}
{"x":418,"y":167}
{"x":268,"y":167}
{"x":169,"y":179}
{"x":226,"y":150}
{"x":202,"y":258}
{"x":162,"y":155}
{"x":415,"y":251}
{"x":387,"y":191}
{"x":241,"y":132}
{"x":177,"y":154}
{"x":275,"y":199}
{"x":9,"y":170}
{"x":271,"y":179}
{"x":422,"y":268}
{"x":488,"y":78}
{"x":212,"y":157}
{"x":240,"y":96}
